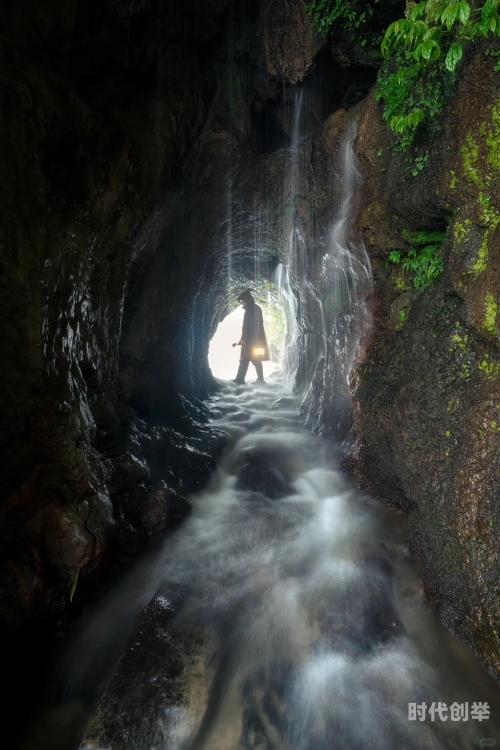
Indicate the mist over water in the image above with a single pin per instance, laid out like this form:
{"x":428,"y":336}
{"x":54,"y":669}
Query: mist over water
{"x":297,"y":607}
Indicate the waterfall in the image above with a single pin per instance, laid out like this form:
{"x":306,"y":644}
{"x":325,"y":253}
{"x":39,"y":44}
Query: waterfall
{"x":346,"y":284}
{"x":334,"y":311}
{"x":346,"y":266}
{"x":294,"y":266}
{"x":289,"y":302}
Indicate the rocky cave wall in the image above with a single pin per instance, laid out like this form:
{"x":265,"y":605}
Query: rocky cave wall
{"x":103,"y":106}
{"x":426,"y":398}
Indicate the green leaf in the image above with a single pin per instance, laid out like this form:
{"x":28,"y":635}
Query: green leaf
{"x":396,"y":124}
{"x":417,"y":30}
{"x":430,"y":33}
{"x":414,"y":118}
{"x":418,"y":52}
{"x":429,"y":49}
{"x":388,"y":40}
{"x":393,"y":29}
{"x":475,"y":30}
{"x":395,"y":256}
{"x":464,"y":11}
{"x":447,"y":18}
{"x":397,"y":31}
{"x":484,"y":27}
{"x":417,"y":11}
{"x":450,"y":15}
{"x":453,"y":57}
{"x":74,"y":584}
{"x":489,"y":7}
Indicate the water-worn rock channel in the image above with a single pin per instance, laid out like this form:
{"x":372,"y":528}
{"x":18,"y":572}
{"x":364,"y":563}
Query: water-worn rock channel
{"x":286,"y":613}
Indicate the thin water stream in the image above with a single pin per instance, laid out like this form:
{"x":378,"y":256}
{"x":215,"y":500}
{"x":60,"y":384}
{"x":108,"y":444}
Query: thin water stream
{"x":286,"y":614}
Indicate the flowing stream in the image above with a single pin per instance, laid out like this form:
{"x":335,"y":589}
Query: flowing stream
{"x":286,"y":614}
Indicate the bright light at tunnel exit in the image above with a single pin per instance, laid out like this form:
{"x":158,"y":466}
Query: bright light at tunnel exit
{"x":224,"y":359}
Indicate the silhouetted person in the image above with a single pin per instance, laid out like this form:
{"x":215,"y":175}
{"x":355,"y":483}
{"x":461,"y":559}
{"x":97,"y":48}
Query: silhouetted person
{"x":253,"y":339}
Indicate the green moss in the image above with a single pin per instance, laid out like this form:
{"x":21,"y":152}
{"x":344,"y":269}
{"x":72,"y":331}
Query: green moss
{"x":461,"y":230}
{"x":489,"y":214}
{"x":489,"y":366}
{"x":481,"y":263}
{"x":480,"y":176}
{"x":465,"y":371}
{"x":403,"y":314}
{"x":460,"y":341}
{"x":400,"y":283}
{"x":493,"y":138}
{"x":470,"y":156}
{"x":489,"y":322}
{"x":454,"y":180}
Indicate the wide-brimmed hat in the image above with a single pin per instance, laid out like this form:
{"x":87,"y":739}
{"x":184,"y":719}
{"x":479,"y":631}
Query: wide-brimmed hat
{"x":245,"y":296}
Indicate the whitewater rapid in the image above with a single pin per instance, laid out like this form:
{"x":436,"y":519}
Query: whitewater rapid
{"x":287,"y":612}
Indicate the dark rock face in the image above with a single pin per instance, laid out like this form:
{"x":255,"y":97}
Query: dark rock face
{"x":290,"y":43}
{"x":150,"y":672}
{"x":426,"y":398}
{"x":97,"y":131}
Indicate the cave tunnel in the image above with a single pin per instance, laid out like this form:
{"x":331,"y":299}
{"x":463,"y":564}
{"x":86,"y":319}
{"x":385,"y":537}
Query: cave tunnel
{"x":188,"y":562}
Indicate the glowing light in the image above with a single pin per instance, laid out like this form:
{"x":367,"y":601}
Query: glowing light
{"x":258,"y":352}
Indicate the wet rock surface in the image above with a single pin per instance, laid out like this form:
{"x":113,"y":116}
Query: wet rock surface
{"x":290,"y":42}
{"x":426,"y":398}
{"x":86,"y":479}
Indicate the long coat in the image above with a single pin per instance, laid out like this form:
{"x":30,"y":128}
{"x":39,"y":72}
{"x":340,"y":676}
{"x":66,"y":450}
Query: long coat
{"x":253,"y":337}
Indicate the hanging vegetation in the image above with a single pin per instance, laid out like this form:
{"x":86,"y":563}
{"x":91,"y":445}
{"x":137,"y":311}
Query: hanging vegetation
{"x":422,"y":52}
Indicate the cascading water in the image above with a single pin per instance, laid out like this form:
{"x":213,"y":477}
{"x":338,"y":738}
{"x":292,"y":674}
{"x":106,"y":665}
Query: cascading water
{"x":346,"y":266}
{"x":293,"y":271}
{"x":345,"y":289}
{"x":285,"y":615}
{"x":290,"y":305}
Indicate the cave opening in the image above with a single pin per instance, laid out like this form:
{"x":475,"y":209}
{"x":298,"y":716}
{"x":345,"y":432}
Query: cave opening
{"x":224,"y":354}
